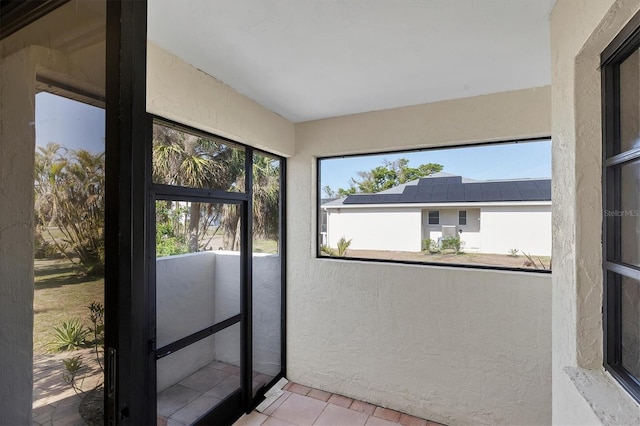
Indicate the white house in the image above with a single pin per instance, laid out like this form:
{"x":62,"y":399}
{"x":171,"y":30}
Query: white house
{"x":492,"y":216}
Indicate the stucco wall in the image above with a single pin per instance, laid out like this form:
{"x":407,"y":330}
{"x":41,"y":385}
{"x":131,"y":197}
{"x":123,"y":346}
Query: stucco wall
{"x":179,"y":91}
{"x":526,"y":228}
{"x":376,"y":228}
{"x":580,"y":30}
{"x":17,"y":145}
{"x":453,"y":345}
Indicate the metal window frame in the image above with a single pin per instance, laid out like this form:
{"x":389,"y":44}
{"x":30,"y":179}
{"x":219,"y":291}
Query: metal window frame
{"x":622,"y":46}
{"x":435,"y":220}
{"x":245,"y":199}
{"x":460,"y":216}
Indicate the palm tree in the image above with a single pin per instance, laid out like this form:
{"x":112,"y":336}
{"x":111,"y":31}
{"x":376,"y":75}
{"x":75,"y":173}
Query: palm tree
{"x":186,"y":160}
{"x":266,"y":203}
{"x":69,"y":195}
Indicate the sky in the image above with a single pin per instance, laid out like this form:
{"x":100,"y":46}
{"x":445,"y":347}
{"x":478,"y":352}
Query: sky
{"x":499,"y":161}
{"x":69,"y":123}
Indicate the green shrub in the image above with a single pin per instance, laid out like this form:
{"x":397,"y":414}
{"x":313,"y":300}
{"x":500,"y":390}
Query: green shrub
{"x":452,"y":243}
{"x":69,"y":335}
{"x":326,"y":250}
{"x":343,"y":244}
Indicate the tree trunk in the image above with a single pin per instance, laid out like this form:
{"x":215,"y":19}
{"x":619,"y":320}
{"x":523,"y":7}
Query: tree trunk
{"x":194,"y":225}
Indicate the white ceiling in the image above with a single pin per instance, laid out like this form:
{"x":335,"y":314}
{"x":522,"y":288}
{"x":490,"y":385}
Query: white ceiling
{"x":311,"y":59}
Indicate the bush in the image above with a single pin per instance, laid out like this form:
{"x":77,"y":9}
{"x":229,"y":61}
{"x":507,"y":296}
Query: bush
{"x":343,"y":244}
{"x":69,"y":335}
{"x":452,"y":243}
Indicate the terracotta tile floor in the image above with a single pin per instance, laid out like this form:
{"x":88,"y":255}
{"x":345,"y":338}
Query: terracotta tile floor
{"x":300,"y":405}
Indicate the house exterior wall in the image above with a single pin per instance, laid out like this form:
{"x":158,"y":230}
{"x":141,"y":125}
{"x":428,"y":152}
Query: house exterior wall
{"x":470,"y":234}
{"x":393,"y":229}
{"x":580,"y":30}
{"x":454,"y":345}
{"x":526,"y":228}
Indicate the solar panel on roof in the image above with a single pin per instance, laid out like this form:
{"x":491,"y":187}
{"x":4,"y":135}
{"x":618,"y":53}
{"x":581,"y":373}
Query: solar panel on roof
{"x":531,"y":194}
{"x":451,"y":189}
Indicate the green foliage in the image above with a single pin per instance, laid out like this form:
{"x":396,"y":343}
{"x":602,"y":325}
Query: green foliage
{"x":513,"y":252}
{"x":452,"y":243}
{"x":343,"y":244}
{"x":69,"y":196}
{"x":73,"y":365}
{"x":187,"y":160}
{"x":69,"y":335}
{"x":327,"y":250}
{"x":171,"y":236}
{"x":430,"y":245}
{"x":390,"y":174}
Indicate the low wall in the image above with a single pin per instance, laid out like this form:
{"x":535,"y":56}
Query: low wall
{"x":197,"y":290}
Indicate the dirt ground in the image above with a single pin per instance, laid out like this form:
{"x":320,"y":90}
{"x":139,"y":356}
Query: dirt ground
{"x":519,"y":261}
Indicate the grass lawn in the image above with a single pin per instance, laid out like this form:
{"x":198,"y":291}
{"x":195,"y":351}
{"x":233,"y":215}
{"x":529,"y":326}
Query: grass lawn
{"x":60,"y":294}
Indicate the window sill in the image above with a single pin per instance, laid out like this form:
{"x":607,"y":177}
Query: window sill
{"x":610,"y":403}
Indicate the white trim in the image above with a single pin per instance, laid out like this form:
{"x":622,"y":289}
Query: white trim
{"x":437,"y":205}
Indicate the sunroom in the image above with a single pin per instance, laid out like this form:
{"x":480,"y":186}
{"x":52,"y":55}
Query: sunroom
{"x":263,"y":92}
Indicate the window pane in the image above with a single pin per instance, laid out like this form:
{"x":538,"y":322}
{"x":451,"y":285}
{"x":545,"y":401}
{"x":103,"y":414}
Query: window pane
{"x":184,"y":159}
{"x":190,"y":227}
{"x":197,"y":267}
{"x":267,"y":299}
{"x":630,"y":212}
{"x":485,"y":205}
{"x":631,"y":325}
{"x":630,"y":102}
{"x":266,"y":204}
{"x":462,"y":217}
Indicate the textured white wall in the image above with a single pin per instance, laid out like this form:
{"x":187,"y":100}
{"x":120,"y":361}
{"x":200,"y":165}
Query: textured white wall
{"x":580,"y":30}
{"x":526,"y":228}
{"x":17,"y":145}
{"x":180,"y":92}
{"x":376,"y":228}
{"x":453,"y":345}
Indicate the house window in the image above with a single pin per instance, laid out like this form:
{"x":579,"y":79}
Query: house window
{"x":434,"y":217}
{"x":410,"y":206}
{"x":462,"y":217}
{"x":621,"y":216}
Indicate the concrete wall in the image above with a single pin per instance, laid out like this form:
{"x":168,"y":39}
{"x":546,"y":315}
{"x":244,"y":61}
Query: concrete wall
{"x":526,"y":228}
{"x":580,"y":30}
{"x":395,"y":229}
{"x":457,"y":346}
{"x":197,"y":290}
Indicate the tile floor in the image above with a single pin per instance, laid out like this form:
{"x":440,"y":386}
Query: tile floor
{"x":187,"y":400}
{"x":300,"y":405}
